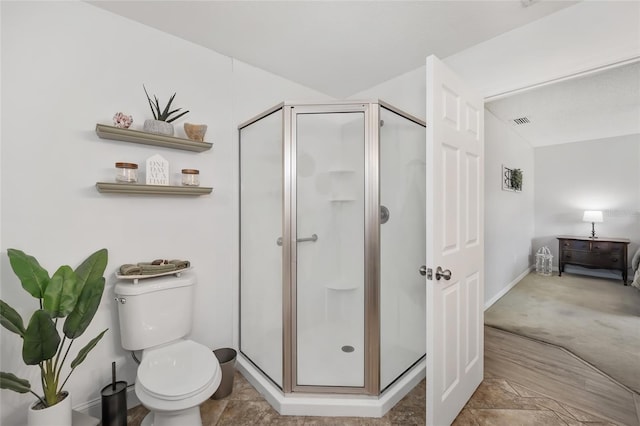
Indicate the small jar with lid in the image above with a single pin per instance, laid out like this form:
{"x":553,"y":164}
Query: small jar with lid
{"x":190,"y":177}
{"x":126,"y":172}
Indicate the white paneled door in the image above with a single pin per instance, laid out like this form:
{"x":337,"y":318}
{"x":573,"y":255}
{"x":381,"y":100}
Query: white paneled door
{"x":455,"y":243}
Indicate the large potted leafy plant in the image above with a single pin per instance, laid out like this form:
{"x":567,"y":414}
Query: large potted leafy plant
{"x":74,"y":295}
{"x":162,"y":118}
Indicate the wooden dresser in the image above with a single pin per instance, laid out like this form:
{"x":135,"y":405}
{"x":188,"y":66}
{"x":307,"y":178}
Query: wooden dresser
{"x":601,"y":253}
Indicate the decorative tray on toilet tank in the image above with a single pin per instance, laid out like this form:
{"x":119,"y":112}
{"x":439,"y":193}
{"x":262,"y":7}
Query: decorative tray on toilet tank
{"x":135,"y":278}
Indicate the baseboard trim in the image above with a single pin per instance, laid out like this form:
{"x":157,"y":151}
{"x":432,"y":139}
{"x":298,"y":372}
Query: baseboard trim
{"x":509,"y":286}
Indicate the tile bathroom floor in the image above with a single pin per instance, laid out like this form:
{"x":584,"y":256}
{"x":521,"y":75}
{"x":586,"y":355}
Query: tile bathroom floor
{"x":501,"y":400}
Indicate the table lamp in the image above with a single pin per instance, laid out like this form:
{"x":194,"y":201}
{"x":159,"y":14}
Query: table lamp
{"x":592,"y":216}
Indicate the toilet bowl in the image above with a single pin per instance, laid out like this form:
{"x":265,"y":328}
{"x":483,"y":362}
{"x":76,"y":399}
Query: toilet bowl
{"x":173,"y":380}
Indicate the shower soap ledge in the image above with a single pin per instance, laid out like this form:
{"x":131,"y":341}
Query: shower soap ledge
{"x":340,"y":286}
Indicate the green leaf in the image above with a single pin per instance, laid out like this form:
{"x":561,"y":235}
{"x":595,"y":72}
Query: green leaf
{"x":92,"y":268}
{"x":166,"y":109}
{"x":157,"y":106}
{"x":16,"y":384}
{"x":178,"y":116}
{"x":173,"y":111}
{"x":41,"y":339}
{"x":78,"y":320}
{"x":150,"y":103}
{"x":34,"y":277}
{"x":61,"y":294}
{"x":84,"y":351}
{"x":10,"y":319}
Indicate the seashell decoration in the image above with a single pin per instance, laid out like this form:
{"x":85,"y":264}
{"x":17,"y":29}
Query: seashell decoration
{"x":195,"y":132}
{"x":122,"y":120}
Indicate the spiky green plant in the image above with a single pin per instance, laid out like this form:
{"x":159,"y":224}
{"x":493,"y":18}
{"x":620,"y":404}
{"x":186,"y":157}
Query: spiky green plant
{"x":68,"y":293}
{"x":163,"y":114}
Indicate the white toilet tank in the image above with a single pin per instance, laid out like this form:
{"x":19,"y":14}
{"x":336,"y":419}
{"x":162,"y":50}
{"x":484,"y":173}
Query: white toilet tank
{"x":155,"y":310}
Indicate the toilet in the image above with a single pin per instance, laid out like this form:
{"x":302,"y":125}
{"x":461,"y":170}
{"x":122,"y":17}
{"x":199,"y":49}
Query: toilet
{"x":175,"y":374}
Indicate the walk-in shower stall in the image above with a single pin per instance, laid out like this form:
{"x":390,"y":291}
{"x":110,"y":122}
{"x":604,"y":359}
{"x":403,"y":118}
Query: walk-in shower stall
{"x":332,"y":238}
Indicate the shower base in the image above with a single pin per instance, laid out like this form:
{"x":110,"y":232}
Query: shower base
{"x":331,"y":405}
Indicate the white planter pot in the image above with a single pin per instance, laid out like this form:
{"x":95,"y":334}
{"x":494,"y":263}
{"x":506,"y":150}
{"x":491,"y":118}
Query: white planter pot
{"x":60,"y":414}
{"x":158,"y":127}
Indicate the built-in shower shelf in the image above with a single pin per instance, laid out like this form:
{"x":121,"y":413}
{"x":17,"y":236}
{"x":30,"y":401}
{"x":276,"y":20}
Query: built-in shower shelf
{"x":341,"y":286}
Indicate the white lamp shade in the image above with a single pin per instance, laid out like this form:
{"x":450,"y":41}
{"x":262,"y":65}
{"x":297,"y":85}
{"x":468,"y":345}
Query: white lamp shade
{"x":592,"y":216}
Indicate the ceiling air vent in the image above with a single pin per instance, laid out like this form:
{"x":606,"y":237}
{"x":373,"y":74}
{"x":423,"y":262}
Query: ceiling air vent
{"x":521,"y":120}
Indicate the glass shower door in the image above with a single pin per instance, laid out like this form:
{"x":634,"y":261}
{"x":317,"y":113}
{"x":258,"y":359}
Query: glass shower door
{"x":329,"y":254}
{"x":402,"y":244}
{"x":261,"y":193}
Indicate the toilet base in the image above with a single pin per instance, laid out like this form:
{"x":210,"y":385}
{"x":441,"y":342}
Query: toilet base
{"x":188,"y":417}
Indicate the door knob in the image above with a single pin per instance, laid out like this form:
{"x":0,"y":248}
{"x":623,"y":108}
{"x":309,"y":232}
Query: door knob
{"x":423,"y":270}
{"x":440,"y":273}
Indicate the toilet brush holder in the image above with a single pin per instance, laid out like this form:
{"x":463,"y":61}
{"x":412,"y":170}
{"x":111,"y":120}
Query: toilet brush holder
{"x":114,"y":402}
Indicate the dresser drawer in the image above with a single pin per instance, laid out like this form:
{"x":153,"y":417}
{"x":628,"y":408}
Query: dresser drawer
{"x":578,"y":256}
{"x":575,"y":244}
{"x":593,"y":258}
{"x":601,"y":246}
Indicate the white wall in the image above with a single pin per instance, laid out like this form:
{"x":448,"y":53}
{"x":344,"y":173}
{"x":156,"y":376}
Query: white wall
{"x":66,"y":66}
{"x":600,"y":174}
{"x":509,"y":216}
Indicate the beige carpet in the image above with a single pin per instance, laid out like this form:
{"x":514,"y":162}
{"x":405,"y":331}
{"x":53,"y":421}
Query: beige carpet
{"x":596,"y":319}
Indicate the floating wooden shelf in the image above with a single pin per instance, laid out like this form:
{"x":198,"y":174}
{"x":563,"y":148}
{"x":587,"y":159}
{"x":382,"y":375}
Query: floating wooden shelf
{"x":140,"y":189}
{"x":136,"y":136}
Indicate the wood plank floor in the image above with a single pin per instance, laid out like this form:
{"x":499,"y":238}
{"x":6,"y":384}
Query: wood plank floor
{"x":557,"y":374}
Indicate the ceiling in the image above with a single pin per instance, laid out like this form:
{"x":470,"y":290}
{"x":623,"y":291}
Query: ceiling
{"x":338,"y":48}
{"x":597,"y":106}
{"x":341,"y":48}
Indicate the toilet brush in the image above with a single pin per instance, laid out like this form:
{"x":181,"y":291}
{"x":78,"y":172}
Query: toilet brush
{"x":114,"y":401}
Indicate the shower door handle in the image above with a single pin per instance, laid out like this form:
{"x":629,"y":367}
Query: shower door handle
{"x":313,"y":238}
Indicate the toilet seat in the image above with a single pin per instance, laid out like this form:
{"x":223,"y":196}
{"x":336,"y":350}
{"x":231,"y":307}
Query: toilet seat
{"x":177,"y":371}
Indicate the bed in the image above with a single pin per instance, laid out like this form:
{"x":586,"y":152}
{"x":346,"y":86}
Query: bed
{"x":635,"y":267}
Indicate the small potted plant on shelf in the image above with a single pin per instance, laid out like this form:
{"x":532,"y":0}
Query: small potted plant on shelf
{"x":162,"y":118}
{"x":74,"y":295}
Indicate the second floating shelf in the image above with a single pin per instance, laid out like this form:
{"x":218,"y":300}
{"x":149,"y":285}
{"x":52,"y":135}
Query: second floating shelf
{"x":139,"y":189}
